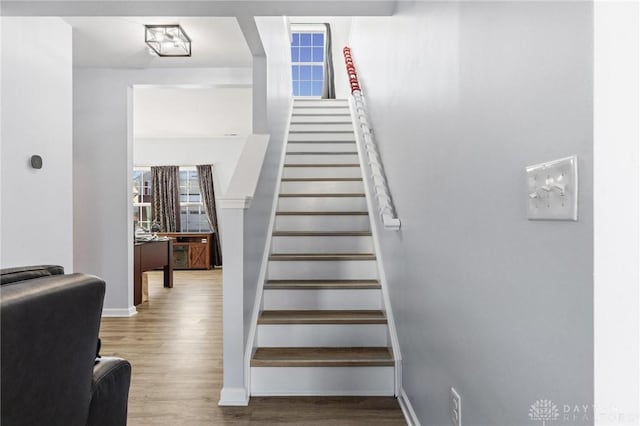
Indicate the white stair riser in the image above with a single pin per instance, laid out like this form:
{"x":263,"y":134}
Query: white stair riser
{"x":321,"y":147}
{"x":310,"y":381}
{"x":322,"y":159}
{"x":324,"y":223}
{"x":322,"y":187}
{"x":322,"y":137}
{"x":320,"y":102}
{"x":321,"y":111}
{"x":322,"y":335}
{"x":322,"y":270}
{"x":308,"y":244}
{"x":322,"y":127}
{"x":321,"y":119}
{"x":311,"y":172}
{"x":321,"y":299}
{"x":322,"y":204}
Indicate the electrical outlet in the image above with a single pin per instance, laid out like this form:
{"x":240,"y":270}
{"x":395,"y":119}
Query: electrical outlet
{"x":455,"y":408}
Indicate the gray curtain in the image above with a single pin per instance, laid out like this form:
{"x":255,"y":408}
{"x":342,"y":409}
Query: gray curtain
{"x":205,"y":178}
{"x":165,"y":198}
{"x":328,"y":85}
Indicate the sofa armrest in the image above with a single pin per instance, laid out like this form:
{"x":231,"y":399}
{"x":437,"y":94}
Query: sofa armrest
{"x":22,"y":273}
{"x":109,"y":392}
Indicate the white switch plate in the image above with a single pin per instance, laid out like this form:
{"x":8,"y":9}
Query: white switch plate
{"x":455,"y":408}
{"x":552,"y":190}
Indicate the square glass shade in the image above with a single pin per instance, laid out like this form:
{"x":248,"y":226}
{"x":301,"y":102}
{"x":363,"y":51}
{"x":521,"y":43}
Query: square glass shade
{"x":167,"y":40}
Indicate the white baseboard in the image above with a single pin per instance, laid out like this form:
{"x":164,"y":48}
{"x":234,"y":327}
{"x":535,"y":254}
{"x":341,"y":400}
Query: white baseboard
{"x":234,"y":397}
{"x":107,"y":312}
{"x":407,"y":409}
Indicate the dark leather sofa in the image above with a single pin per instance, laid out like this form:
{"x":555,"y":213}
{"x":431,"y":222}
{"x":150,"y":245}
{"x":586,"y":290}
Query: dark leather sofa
{"x":51,"y":372}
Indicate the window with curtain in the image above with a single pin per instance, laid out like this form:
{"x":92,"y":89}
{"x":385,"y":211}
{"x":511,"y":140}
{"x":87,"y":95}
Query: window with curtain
{"x":308,"y":62}
{"x":193,"y":217}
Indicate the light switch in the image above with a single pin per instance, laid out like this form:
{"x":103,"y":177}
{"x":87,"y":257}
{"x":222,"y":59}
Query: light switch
{"x":552,"y":190}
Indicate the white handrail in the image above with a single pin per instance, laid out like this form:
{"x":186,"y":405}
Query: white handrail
{"x":385,"y":204}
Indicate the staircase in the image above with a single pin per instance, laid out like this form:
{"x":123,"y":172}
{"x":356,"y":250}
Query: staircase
{"x":322,"y":329}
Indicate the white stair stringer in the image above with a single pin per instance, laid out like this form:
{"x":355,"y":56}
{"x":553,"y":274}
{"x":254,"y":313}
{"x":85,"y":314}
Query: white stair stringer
{"x":322,"y":323}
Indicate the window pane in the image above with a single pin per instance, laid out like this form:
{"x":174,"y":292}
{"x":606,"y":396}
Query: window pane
{"x":295,"y":39}
{"x":295,"y":72}
{"x":305,"y":39}
{"x":305,"y":54}
{"x":305,"y":72}
{"x":316,"y":72}
{"x":295,"y":54}
{"x":305,"y":88}
{"x":318,"y":39}
{"x":296,"y":88}
{"x":316,"y":88}
{"x":318,"y":54}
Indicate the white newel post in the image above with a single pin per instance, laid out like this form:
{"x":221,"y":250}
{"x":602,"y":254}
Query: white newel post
{"x":232,"y":213}
{"x":232,"y":208}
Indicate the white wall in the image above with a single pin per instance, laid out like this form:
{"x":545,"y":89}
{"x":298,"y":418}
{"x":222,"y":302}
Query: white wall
{"x":103,"y":159}
{"x":223,"y":153}
{"x":37,"y":205}
{"x":275,"y":39}
{"x":191,"y":112}
{"x":617,"y":212}
{"x":463,"y":96}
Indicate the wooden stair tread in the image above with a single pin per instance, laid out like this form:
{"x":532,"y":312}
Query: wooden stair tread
{"x":302,"y":100}
{"x":321,"y":284}
{"x":325,"y":141}
{"x":321,"y":256}
{"x":321,"y":165}
{"x":344,"y":114}
{"x":323,"y":357}
{"x":320,"y":132}
{"x":298,"y":106}
{"x":320,"y":122}
{"x":322,"y":317}
{"x":322,"y":234}
{"x":326,"y":179}
{"x":322,"y":153}
{"x":325,"y":194}
{"x":297,"y":213}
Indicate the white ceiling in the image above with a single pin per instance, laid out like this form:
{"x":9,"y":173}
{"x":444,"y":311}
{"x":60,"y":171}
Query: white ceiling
{"x":170,"y":112}
{"x":118,"y":42}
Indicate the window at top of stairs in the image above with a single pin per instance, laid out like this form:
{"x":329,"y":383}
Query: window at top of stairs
{"x":308,"y":61}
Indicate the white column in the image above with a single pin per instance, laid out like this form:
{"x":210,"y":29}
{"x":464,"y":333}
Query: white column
{"x":232,"y":213}
{"x":616,"y":213}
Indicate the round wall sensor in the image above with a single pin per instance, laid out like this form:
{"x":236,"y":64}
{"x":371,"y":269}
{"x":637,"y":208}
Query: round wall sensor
{"x":36,"y":161}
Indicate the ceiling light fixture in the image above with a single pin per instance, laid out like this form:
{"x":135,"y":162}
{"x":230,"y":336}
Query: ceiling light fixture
{"x":167,"y":40}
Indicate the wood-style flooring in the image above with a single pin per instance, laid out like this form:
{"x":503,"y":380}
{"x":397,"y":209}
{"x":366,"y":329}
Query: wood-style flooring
{"x":174,"y":345}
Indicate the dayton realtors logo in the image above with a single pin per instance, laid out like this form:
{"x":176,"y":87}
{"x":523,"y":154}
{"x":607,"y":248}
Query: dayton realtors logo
{"x":544,"y":410}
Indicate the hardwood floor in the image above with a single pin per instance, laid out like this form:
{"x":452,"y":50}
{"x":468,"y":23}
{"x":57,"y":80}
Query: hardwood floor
{"x":174,"y":345}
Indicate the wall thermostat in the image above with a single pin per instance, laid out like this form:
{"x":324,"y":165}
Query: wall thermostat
{"x":36,"y":161}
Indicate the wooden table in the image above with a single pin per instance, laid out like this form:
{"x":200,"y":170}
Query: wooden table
{"x":148,"y":256}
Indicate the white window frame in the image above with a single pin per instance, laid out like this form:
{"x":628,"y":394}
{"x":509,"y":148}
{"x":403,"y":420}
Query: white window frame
{"x":308,"y":28}
{"x":138,"y":205}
